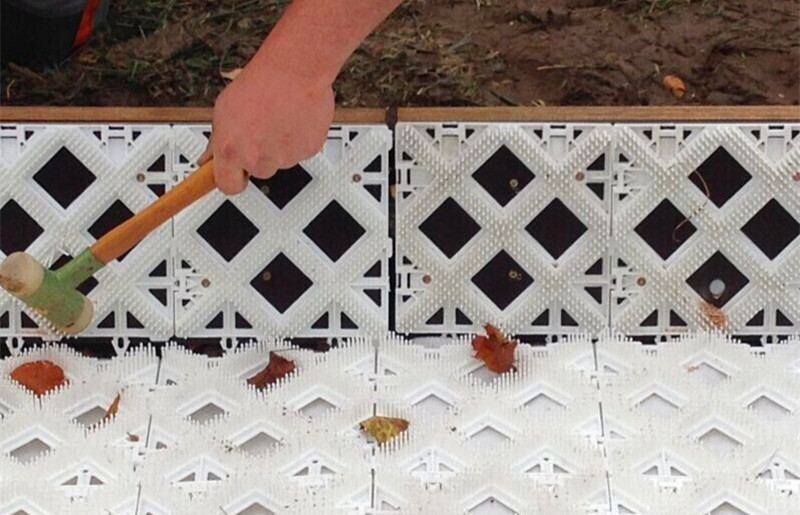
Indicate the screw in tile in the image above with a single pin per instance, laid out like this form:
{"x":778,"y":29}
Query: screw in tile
{"x":356,"y":177}
{"x":426,"y":279}
{"x":266,"y":276}
{"x":513,"y":184}
{"x":580,"y":176}
{"x":514,"y":275}
{"x":641,"y":281}
{"x":205,"y":283}
{"x":140,"y":177}
{"x":265,"y":189}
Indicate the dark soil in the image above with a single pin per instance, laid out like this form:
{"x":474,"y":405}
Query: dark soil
{"x":449,"y":52}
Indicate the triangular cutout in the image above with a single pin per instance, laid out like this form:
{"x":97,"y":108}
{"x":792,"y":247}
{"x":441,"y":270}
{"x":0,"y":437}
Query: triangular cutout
{"x":657,"y":405}
{"x":542,"y":404}
{"x":108,"y":322}
{"x":727,"y":508}
{"x":433,"y":402}
{"x":241,"y":322}
{"x":437,"y":318}
{"x":651,"y":320}
{"x":346,"y":322}
{"x":321,"y":323}
{"x":132,"y":322}
{"x":216,"y":322}
{"x":461,"y":318}
{"x":767,"y":407}
{"x":675,"y":320}
{"x":782,"y":320}
{"x":374,"y":295}
{"x":718,"y":441}
{"x":543,"y":319}
{"x":374,"y":270}
{"x":596,"y":292}
{"x":596,"y":268}
{"x":757,"y":320}
{"x":567,"y":320}
{"x":489,"y":436}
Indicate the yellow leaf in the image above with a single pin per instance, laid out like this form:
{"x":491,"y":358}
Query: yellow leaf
{"x":230,"y":74}
{"x":384,"y":429}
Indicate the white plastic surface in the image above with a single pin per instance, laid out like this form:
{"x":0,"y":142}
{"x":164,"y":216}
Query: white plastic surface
{"x":637,"y":430}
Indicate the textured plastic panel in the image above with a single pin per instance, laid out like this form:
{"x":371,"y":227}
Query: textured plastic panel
{"x":647,"y":230}
{"x":305,"y":253}
{"x":698,"y":425}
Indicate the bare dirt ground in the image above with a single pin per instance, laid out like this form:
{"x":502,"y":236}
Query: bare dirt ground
{"x":449,"y":52}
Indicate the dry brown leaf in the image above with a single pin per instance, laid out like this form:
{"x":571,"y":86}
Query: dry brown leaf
{"x":692,"y":368}
{"x":112,"y":410}
{"x":495,"y":349}
{"x":714,"y":315}
{"x":230,"y":74}
{"x":277,"y":368}
{"x":675,"y":85}
{"x":384,"y":429}
{"x":39,"y":376}
{"x":133,"y":437}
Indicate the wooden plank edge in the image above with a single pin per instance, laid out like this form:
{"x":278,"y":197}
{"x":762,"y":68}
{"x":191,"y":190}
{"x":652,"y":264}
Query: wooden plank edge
{"x":15,"y":114}
{"x":601,"y":114}
{"x":19,"y":114}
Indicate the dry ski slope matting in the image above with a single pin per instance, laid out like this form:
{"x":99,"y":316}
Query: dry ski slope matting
{"x":575,"y":230}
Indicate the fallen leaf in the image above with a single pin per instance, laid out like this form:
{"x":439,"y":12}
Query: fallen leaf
{"x":230,"y":74}
{"x":384,"y":429}
{"x":715,"y":316}
{"x":87,"y":56}
{"x":112,"y":410}
{"x":277,"y":368}
{"x":495,"y":349}
{"x":39,"y":376}
{"x":675,"y":85}
{"x":692,"y":368}
{"x":133,"y":437}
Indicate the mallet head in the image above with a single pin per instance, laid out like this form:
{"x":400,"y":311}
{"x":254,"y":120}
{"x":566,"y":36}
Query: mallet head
{"x":51,"y":295}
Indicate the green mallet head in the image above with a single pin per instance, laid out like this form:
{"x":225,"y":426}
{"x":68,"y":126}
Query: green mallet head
{"x":52,"y":294}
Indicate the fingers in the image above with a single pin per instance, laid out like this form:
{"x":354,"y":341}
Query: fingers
{"x":230,"y":179}
{"x":206,"y":155}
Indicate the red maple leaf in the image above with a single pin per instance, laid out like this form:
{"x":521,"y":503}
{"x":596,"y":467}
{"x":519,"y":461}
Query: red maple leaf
{"x":495,"y":349}
{"x":277,"y":368}
{"x":39,"y":376}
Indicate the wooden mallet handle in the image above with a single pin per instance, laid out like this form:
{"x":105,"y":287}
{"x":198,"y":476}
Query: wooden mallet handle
{"x":123,"y":237}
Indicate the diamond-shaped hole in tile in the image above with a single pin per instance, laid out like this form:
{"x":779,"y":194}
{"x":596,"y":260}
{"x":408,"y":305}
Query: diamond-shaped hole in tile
{"x":502,"y":280}
{"x":655,"y":404}
{"x":334,"y":231}
{"x":491,"y":506}
{"x":86,"y":286}
{"x":772,"y":229}
{"x":259,"y":443}
{"x":316,"y":407}
{"x":17,"y":228}
{"x":717,"y":268}
{"x":719,"y":441}
{"x":449,"y":227}
{"x":433,"y":403}
{"x":64,"y":177}
{"x":256,"y":509}
{"x":284,"y":186}
{"x":206,"y":413}
{"x":281,"y":283}
{"x":543,"y":404}
{"x":556,"y":229}
{"x":488,"y":435}
{"x":91,"y":416}
{"x":30,"y":450}
{"x":723,"y":175}
{"x":227,"y":230}
{"x":768,"y":408}
{"x":503,"y":175}
{"x":116,"y":213}
{"x":665,"y":229}
{"x":727,"y":508}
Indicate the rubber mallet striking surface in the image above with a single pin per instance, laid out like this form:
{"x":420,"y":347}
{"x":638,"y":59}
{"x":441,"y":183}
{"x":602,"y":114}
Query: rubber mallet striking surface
{"x":53,"y":294}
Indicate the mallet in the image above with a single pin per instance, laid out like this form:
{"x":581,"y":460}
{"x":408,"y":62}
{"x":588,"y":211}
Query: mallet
{"x":52,"y":294}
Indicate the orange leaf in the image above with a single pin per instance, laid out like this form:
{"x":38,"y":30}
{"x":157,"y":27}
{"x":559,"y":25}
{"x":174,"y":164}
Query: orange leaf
{"x":277,"y":368}
{"x":675,"y":85}
{"x":715,"y":316}
{"x":112,"y":410}
{"x":495,"y":349}
{"x":39,"y":376}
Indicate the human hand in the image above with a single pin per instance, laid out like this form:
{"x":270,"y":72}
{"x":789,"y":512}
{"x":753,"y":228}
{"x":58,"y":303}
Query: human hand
{"x":266,"y":119}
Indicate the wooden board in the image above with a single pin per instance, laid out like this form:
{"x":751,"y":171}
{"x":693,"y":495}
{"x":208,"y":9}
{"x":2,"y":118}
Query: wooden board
{"x":417,"y":114}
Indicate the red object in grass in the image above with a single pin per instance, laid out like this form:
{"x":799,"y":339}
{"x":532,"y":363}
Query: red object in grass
{"x":495,"y":349}
{"x":39,"y":376}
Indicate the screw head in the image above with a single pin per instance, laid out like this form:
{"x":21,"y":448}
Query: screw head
{"x":265,"y":189}
{"x":641,"y":281}
{"x":514,"y":275}
{"x":205,"y":283}
{"x":426,"y":279}
{"x":356,"y":177}
{"x":513,"y":183}
{"x":140,"y":177}
{"x":266,"y":276}
{"x":580,"y":176}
